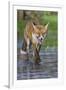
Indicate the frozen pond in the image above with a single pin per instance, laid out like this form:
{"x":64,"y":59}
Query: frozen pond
{"x":48,"y":68}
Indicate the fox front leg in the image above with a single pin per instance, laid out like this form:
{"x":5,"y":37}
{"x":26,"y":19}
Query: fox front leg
{"x":36,"y":55}
{"x":38,"y":47}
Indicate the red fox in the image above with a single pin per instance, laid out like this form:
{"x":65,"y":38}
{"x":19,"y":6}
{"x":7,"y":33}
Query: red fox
{"x":34,"y":36}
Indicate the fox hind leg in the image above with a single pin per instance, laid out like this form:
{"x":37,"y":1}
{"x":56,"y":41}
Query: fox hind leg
{"x":24,"y":45}
{"x":28,"y":44}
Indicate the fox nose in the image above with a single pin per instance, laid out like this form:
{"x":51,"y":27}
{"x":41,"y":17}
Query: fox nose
{"x":41,"y":39}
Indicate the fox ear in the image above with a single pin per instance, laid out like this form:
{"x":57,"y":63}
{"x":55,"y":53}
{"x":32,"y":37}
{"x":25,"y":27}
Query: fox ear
{"x":34,"y":26}
{"x":46,"y":26}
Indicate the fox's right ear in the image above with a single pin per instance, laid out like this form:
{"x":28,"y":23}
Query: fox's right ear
{"x":34,"y":26}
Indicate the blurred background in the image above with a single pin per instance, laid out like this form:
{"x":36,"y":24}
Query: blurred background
{"x":42,"y":17}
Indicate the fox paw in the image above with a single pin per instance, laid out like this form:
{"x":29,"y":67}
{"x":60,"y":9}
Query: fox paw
{"x":23,"y":52}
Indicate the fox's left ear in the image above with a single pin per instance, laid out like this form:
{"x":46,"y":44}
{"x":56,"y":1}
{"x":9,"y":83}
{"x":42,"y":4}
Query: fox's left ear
{"x":46,"y":26}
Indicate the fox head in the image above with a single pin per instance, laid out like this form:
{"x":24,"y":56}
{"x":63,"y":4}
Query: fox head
{"x":39,"y":33}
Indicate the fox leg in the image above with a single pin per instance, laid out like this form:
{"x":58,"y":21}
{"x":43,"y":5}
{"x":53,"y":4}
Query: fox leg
{"x":28,"y":43}
{"x":23,"y":48}
{"x":36,"y":49}
{"x":24,"y":45}
{"x":36,"y":55}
